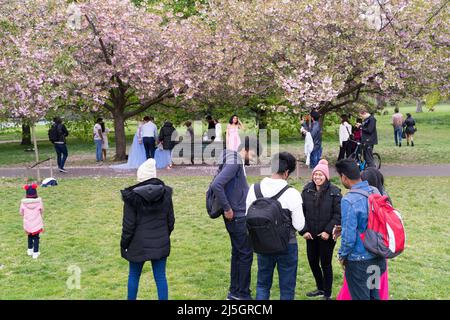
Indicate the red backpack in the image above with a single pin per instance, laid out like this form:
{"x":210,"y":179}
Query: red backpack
{"x":385,"y":234}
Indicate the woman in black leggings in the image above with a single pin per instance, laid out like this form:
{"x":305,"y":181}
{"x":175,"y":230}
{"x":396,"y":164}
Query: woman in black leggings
{"x":322,"y":209}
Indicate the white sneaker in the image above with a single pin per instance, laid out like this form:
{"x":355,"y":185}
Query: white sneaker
{"x":30,"y":252}
{"x":36,"y":255}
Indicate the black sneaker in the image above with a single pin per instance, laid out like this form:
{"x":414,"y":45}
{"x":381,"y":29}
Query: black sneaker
{"x":316,"y":293}
{"x":63,"y":170}
{"x":400,"y":144}
{"x":232,"y":297}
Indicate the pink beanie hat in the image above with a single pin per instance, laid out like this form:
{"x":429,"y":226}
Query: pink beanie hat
{"x":322,"y":167}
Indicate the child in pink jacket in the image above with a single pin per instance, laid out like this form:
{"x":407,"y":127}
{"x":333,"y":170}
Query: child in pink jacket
{"x":32,"y":208}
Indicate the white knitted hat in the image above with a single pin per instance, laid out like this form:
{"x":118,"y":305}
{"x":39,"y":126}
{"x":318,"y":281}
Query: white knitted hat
{"x":147,"y":170}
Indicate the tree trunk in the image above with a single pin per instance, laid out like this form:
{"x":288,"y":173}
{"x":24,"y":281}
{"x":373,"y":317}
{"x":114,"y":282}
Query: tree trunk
{"x":419,"y":106}
{"x":26,"y":134}
{"x":119,"y":134}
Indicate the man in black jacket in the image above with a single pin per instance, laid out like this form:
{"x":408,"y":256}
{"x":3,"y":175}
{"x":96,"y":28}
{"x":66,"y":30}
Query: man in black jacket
{"x":60,"y":143}
{"x":369,"y":136}
{"x":231,"y":188}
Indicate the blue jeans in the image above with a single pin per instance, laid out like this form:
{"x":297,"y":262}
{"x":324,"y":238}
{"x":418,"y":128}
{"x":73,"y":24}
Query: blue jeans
{"x":398,"y":135}
{"x":316,"y":154}
{"x":287,"y":273}
{"x":159,"y":274}
{"x":98,"y":150}
{"x":363,"y":278}
{"x":241,"y":258}
{"x":61,"y":154}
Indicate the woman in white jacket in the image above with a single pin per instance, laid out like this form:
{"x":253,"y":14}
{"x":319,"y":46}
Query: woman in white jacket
{"x":345,"y":130}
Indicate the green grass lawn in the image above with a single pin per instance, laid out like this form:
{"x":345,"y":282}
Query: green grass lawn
{"x":432,"y":139}
{"x":432,"y":142}
{"x":83,"y":226}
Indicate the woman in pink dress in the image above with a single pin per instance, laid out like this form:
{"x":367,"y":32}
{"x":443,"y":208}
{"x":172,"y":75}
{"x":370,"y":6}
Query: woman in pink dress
{"x":233,"y":140}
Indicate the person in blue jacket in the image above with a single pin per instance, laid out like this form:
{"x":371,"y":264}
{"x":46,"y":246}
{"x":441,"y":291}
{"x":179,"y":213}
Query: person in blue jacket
{"x":363,"y":269}
{"x":230,"y":187}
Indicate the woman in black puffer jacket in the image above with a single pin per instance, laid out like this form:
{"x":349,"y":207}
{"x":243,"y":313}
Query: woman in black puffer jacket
{"x":322,"y":209}
{"x":168,"y":137}
{"x":148,"y":221}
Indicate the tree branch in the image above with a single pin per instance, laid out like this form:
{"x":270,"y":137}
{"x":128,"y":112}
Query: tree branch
{"x":102,"y":44}
{"x":166,"y":93}
{"x":428,"y":21}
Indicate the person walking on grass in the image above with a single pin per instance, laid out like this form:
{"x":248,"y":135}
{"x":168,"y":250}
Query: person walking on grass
{"x":283,"y":164}
{"x":345,"y":132}
{"x":322,"y":208}
{"x":32,"y":210}
{"x":397,"y":123}
{"x":148,"y":222}
{"x":362,"y":268}
{"x":369,"y":136}
{"x":57,"y":135}
{"x":98,"y":140}
{"x":410,"y":129}
{"x":230,"y":187}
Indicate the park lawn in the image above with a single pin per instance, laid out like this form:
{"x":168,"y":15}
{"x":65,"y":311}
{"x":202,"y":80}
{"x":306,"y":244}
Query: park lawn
{"x":432,"y":142}
{"x":432,"y":139}
{"x":83,"y":226}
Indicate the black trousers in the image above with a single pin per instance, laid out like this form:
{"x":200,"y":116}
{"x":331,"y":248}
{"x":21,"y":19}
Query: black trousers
{"x":346,"y":150}
{"x":321,"y":251}
{"x":33,"y":242}
{"x":149,"y":145}
{"x":368,"y":155}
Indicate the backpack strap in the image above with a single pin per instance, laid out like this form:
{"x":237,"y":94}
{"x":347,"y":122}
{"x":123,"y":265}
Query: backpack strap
{"x":279,"y":194}
{"x":364,"y":192}
{"x":258,"y":192}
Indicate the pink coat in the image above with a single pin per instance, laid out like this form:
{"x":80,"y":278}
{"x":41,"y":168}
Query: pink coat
{"x":32,"y":210}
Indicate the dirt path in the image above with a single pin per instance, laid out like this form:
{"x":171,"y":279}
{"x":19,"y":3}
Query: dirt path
{"x":203,"y":170}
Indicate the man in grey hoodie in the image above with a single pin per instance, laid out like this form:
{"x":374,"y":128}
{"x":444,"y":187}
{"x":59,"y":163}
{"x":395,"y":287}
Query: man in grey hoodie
{"x":230,"y":187}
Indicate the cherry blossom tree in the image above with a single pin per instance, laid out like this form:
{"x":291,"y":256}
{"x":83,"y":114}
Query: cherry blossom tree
{"x":330,"y":54}
{"x":128,"y":58}
{"x":30,"y":70}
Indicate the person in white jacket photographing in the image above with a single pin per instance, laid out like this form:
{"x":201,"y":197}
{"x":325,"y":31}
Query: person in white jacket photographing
{"x":309,"y":145}
{"x":345,"y":131}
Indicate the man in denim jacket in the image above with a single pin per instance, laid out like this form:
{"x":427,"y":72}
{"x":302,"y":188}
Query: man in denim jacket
{"x":362,"y":268}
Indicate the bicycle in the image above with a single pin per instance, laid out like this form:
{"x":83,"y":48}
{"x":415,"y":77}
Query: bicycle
{"x":359,"y":157}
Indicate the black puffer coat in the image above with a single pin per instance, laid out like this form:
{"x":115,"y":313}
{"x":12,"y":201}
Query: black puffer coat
{"x":167,"y":136}
{"x":148,"y":221}
{"x":325,"y":215}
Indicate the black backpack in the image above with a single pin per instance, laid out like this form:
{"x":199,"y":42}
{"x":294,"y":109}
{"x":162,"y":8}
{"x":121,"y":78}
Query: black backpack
{"x":53,"y":133}
{"x":268,"y":224}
